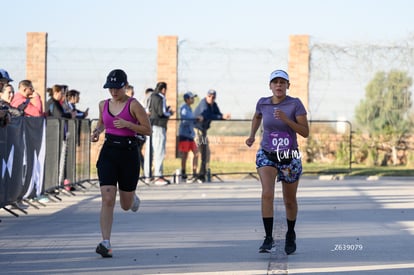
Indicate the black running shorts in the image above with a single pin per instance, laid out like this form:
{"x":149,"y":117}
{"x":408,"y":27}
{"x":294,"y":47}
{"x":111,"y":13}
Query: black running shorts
{"x":119,"y":165}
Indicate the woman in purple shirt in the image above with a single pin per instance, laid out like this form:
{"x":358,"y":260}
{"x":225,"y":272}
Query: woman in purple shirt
{"x":122,"y":117}
{"x":283,"y":117}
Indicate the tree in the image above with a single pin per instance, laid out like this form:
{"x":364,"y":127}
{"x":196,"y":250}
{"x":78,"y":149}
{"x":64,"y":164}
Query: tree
{"x":385,"y":111}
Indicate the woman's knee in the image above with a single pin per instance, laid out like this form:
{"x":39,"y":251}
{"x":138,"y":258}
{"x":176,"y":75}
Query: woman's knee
{"x":291,"y":203}
{"x":108,"y":201}
{"x":125,"y":207}
{"x":126,"y":200}
{"x":268,"y":195}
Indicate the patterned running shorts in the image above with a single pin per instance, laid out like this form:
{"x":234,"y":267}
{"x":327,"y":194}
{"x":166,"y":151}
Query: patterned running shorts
{"x":288,"y":173}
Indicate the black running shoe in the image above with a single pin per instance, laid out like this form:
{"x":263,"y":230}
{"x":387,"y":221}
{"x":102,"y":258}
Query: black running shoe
{"x":103,"y":251}
{"x":290,"y":242}
{"x":267,"y":245}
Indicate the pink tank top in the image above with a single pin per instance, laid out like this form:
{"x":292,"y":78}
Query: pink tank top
{"x":108,"y":120}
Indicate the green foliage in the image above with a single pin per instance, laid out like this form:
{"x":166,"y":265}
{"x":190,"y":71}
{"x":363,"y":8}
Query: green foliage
{"x":385,"y":109}
{"x":385,"y":115}
{"x":342,"y":155}
{"x":410,"y":159}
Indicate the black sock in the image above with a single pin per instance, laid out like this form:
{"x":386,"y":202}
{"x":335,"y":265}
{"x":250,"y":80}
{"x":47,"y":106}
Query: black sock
{"x":291,"y":225}
{"x":268,"y":226}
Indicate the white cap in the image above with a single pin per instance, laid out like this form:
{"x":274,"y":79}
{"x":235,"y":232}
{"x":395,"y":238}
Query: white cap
{"x":279,"y":73}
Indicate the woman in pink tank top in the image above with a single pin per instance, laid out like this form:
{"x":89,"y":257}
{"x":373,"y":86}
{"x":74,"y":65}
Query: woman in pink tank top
{"x":118,"y":165}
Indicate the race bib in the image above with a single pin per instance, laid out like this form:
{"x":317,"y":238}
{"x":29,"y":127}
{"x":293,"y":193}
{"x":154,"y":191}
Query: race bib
{"x":279,"y":141}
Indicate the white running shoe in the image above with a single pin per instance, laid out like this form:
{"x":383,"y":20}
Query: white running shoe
{"x":135,"y":205}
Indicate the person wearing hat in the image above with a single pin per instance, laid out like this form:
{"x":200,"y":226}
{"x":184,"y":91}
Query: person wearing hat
{"x":5,"y":115}
{"x":278,"y":157}
{"x":4,"y":78}
{"x":6,"y":94}
{"x":186,"y":134}
{"x":209,"y":111}
{"x":121,"y":117}
{"x":5,"y":75}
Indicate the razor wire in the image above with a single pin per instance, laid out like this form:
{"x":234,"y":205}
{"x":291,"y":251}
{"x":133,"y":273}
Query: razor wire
{"x":339,"y":73}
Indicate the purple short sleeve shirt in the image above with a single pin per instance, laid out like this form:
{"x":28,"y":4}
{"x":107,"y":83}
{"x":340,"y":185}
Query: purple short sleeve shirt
{"x":277,"y":136}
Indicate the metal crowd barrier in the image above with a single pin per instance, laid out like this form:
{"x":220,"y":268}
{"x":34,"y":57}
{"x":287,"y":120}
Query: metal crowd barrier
{"x":42,"y":157}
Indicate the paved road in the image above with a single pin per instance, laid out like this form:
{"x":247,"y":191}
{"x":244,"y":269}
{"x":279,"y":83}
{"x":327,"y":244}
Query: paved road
{"x":350,"y":226}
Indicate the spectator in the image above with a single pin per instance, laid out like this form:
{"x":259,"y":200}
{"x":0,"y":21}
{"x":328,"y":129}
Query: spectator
{"x":147,"y":99}
{"x":129,"y":90}
{"x":72,"y":97}
{"x":4,"y":78}
{"x":7,"y":93}
{"x":148,"y":151}
{"x":31,"y":100}
{"x":6,"y":96}
{"x":54,"y":107}
{"x":186,"y":135}
{"x":209,"y":110}
{"x":64,"y":101}
{"x":4,"y":117}
{"x":159,"y":115}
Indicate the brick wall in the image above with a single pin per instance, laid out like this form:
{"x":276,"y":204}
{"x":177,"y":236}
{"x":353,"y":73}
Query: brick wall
{"x":299,"y":58}
{"x":167,"y":62}
{"x":232,"y":149}
{"x":36,"y":62}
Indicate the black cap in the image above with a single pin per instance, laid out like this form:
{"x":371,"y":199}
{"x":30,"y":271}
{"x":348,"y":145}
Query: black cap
{"x":5,"y":75}
{"x":188,"y":95}
{"x":116,"y":79}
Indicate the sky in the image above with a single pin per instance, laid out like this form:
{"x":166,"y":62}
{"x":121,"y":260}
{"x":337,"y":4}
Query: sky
{"x":258,"y":23}
{"x":135,"y":22}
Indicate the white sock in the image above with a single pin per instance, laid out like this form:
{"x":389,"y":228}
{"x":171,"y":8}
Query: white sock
{"x":106,"y":243}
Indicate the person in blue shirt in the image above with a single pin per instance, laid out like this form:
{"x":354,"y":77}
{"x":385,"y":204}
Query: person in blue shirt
{"x":186,"y":134}
{"x":209,"y":110}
